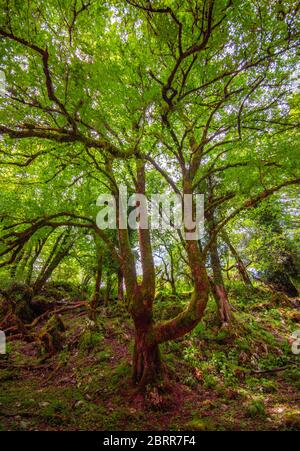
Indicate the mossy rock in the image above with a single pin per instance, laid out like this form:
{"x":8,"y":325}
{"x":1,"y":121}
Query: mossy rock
{"x":292,"y":421}
{"x":41,"y":304}
{"x":51,"y":335}
{"x":200,"y":424}
{"x":103,"y":356}
{"x":295,"y":317}
{"x":4,"y":306}
{"x":90,"y":340}
{"x":62,"y":290}
{"x":20,"y":295}
{"x":269,"y":386}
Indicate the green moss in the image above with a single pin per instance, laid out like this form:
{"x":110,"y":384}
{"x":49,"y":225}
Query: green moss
{"x":210,"y":381}
{"x":90,"y":340}
{"x":121,"y":372}
{"x":190,"y":381}
{"x":269,"y":386}
{"x":199,"y":424}
{"x":256,"y":408}
{"x":56,"y":412}
{"x":103,"y":356}
{"x":7,"y":375}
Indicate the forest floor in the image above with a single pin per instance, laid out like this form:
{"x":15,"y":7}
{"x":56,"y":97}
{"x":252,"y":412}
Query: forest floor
{"x":243,"y":379}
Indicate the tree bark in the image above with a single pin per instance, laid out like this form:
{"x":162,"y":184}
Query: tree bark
{"x":239,"y":262}
{"x":218,"y":288}
{"x":53,"y":260}
{"x":147,"y":366}
{"x":107,"y":289}
{"x":21,"y":258}
{"x":38,"y":249}
{"x":120,"y":285}
{"x":96,"y":296}
{"x":191,"y":316}
{"x":217,"y":282}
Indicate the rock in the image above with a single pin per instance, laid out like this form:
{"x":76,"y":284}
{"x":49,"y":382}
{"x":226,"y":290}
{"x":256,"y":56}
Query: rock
{"x":243,"y":358}
{"x":24,"y":424}
{"x":51,"y":337}
{"x":44,"y":404}
{"x":295,"y":317}
{"x":79,"y":403}
{"x":21,"y":295}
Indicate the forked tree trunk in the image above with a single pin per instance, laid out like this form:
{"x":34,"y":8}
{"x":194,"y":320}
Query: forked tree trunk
{"x":147,"y":366}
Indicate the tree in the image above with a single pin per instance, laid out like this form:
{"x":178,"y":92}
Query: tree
{"x":179,"y":91}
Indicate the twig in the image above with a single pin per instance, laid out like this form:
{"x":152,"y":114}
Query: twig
{"x":272,"y":370}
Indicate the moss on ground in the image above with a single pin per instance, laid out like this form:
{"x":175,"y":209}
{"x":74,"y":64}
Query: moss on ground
{"x":221,"y":380}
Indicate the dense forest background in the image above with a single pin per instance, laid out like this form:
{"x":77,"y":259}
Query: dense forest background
{"x":146,"y":329}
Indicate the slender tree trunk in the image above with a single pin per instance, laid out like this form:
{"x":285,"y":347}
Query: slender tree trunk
{"x":120,"y":285}
{"x":217,"y":282}
{"x":218,"y":288}
{"x":239,"y":262}
{"x":20,"y":261}
{"x":107,"y":289}
{"x":172,"y":277}
{"x":85,"y":281}
{"x":185,"y":321}
{"x":32,"y":260}
{"x":96,"y":297}
{"x":95,"y":301}
{"x":53,"y":261}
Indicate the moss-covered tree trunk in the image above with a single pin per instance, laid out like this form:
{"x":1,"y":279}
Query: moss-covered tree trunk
{"x":147,"y":364}
{"x":217,"y":285}
{"x":95,"y":301}
{"x":239,"y":262}
{"x":120,"y":285}
{"x":218,"y":288}
{"x":59,"y":251}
